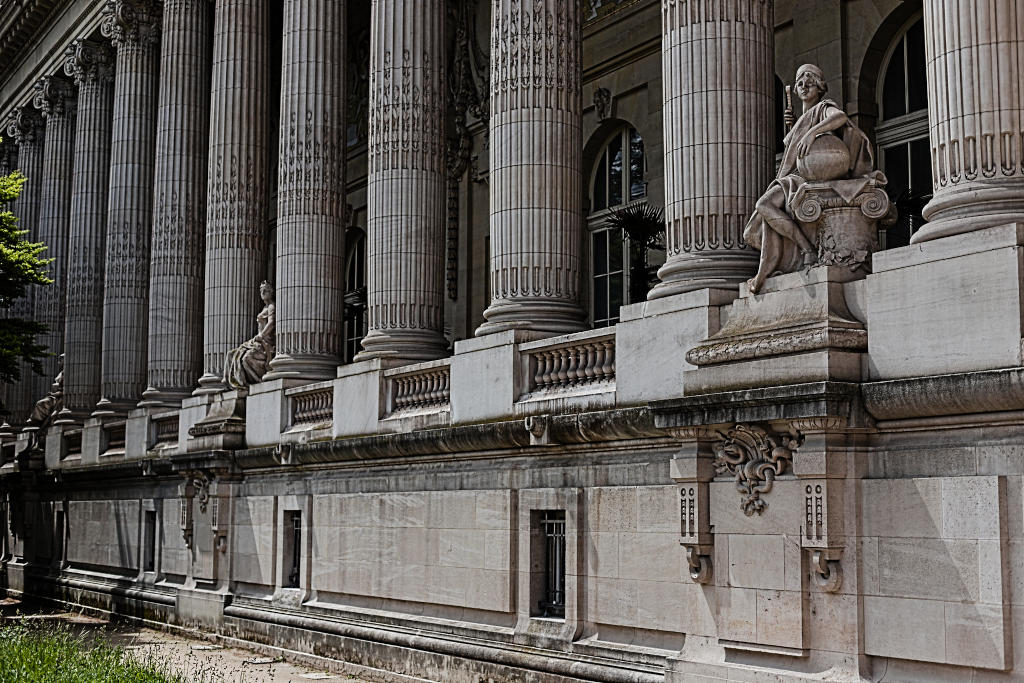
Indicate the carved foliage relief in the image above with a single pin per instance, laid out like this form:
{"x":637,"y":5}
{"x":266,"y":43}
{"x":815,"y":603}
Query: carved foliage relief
{"x":754,"y":457}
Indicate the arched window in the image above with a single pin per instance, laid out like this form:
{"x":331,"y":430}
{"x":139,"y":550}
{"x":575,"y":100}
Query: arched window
{"x":355,"y":292}
{"x":617,"y":180}
{"x":901,"y":134}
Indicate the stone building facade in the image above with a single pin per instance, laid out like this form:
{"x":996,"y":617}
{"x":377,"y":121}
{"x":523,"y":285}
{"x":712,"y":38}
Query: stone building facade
{"x":480,"y":435}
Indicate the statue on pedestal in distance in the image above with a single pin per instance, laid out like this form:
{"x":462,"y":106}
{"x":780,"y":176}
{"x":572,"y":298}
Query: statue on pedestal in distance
{"x":247,"y":363}
{"x":51,"y":404}
{"x":824,"y":205}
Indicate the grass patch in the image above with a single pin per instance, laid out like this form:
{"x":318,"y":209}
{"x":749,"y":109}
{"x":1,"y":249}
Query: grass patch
{"x":53,"y":653}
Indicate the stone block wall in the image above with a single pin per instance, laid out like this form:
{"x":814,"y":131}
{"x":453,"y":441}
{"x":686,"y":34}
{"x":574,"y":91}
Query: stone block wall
{"x":104,"y":533}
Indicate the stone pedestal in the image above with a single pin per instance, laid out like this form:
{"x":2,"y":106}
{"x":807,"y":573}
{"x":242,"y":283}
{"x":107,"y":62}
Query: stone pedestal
{"x":91,"y":64}
{"x":535,"y":177}
{"x":406,"y":186}
{"x":718,"y":92}
{"x":311,"y":192}
{"x":134,"y":29}
{"x":179,"y":213}
{"x":975,"y":115}
{"x":798,"y":329}
{"x":55,"y":98}
{"x":223,"y":428}
{"x":236,"y":212}
{"x":26,"y":128}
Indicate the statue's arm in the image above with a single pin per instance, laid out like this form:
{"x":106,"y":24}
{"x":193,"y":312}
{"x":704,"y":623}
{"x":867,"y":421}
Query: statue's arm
{"x":835,"y":119}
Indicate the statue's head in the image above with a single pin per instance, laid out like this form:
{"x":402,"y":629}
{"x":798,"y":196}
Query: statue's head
{"x":266,"y":292}
{"x":810,"y":82}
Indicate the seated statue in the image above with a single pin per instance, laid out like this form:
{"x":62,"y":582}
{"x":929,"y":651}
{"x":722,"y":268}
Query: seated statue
{"x":51,"y":404}
{"x":822,"y":147}
{"x":248,"y":363}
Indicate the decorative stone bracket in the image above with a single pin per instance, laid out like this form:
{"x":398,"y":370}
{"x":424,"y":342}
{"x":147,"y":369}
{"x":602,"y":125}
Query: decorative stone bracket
{"x":693,"y":470}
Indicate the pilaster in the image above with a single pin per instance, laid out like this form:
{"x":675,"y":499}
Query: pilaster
{"x":176,"y":265}
{"x":975,"y":115}
{"x":134,"y":29}
{"x":236,"y":210}
{"x":55,"y":98}
{"x":717,"y":70}
{"x":406,"y":187}
{"x":535,"y":178}
{"x":311,"y":191}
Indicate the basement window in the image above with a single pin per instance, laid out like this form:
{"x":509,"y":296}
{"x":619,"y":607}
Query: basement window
{"x":149,"y":556}
{"x":550,"y":558}
{"x":292,"y":548}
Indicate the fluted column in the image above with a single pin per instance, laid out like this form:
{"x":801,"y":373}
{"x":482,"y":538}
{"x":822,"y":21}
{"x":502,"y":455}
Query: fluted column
{"x":535,"y":179}
{"x":311,"y":191}
{"x":91,"y":64}
{"x":406,"y":184}
{"x":55,"y":98}
{"x":717,"y":82}
{"x":975,"y":55}
{"x":133,"y":27}
{"x":8,"y":164}
{"x":179,"y":214}
{"x":236,"y":212}
{"x":26,"y":128}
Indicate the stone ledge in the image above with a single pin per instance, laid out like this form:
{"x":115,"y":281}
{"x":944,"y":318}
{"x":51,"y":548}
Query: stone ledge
{"x":986,"y":391}
{"x":812,"y":399}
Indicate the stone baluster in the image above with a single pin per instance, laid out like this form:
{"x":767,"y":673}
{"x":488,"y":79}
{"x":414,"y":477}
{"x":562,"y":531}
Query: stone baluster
{"x":91,"y":64}
{"x":176,"y":265}
{"x":975,"y":57}
{"x":535,"y":178}
{"x":406,"y":186}
{"x":236,"y":209}
{"x":55,"y":98}
{"x":311,"y":191}
{"x":717,"y":75}
{"x":26,"y":128}
{"x":133,"y":27}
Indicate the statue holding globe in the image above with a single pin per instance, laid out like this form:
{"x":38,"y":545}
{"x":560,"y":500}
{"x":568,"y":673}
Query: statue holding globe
{"x":824,"y":205}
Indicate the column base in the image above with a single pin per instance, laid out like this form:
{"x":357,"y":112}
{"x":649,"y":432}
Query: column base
{"x":545,"y":316}
{"x":210,"y":383}
{"x":307,"y":367}
{"x":703,"y":270}
{"x":163,"y":398}
{"x":976,"y":206}
{"x":403,"y":345}
{"x":69,"y":417}
{"x":107,"y":408}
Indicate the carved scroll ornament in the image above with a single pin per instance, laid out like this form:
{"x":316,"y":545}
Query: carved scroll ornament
{"x":755,"y":457}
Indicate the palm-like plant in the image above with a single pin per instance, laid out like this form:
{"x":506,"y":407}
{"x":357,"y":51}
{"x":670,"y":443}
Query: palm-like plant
{"x":644,"y":226}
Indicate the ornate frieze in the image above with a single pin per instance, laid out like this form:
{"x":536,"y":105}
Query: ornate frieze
{"x":754,"y":457}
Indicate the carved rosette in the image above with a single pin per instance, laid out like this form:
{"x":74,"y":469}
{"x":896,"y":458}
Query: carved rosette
{"x":754,"y":457}
{"x":131,"y":23}
{"x":89,"y":62}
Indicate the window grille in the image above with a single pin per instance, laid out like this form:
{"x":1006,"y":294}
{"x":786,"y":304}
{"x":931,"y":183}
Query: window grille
{"x":293,"y":547}
{"x":552,"y":604}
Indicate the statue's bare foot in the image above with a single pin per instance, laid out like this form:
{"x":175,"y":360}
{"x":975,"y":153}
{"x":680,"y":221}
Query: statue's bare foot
{"x":755,"y":284}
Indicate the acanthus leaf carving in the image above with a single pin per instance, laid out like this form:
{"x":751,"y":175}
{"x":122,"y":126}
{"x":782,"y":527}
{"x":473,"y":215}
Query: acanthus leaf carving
{"x":131,"y":24}
{"x":89,"y":62}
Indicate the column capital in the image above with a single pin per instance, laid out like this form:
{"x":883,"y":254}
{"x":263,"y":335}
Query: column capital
{"x":88,"y":61}
{"x":131,"y":23}
{"x":55,"y":96}
{"x":26,"y":126}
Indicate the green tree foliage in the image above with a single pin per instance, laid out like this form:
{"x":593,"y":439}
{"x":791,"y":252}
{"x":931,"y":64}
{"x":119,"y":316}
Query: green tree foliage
{"x":21,"y":265}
